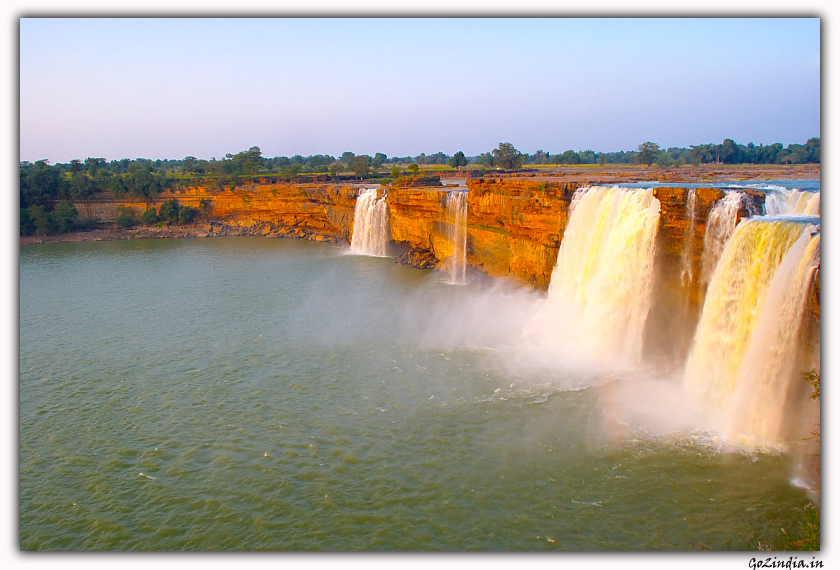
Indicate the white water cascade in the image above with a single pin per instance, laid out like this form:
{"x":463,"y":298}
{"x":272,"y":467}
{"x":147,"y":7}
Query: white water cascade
{"x":690,"y":207}
{"x":456,"y":218}
{"x":719,"y":228}
{"x":792,"y":203}
{"x":601,"y":287}
{"x":371,"y":228}
{"x":740,"y":364}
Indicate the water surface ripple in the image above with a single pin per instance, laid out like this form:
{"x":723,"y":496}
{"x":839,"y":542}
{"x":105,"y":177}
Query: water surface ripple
{"x":243,"y":394}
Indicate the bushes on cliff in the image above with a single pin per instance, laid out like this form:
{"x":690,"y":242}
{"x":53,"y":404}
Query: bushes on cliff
{"x":172,"y":211}
{"x":66,"y":217}
{"x":186,"y":214}
{"x":126,"y":217}
{"x":150,"y":216}
{"x":169,"y":210}
{"x":38,"y":220}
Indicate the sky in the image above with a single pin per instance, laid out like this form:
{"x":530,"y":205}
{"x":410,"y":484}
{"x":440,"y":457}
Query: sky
{"x":170,"y":88}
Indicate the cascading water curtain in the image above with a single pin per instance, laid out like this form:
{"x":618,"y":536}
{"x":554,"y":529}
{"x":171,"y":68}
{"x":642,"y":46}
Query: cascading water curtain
{"x":602,"y":285}
{"x":371,"y":227}
{"x":739,"y":364}
{"x":456,"y":213}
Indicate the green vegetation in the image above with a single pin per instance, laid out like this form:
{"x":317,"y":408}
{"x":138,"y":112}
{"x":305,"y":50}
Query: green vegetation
{"x":38,"y":220}
{"x":77,"y":182}
{"x":458,"y":160}
{"x":150,"y":217}
{"x":126,"y":217}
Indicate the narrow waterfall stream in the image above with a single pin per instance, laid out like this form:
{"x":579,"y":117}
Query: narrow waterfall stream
{"x":456,"y":217}
{"x":371,"y":232}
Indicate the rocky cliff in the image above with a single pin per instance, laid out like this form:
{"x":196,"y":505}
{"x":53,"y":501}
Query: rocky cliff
{"x":514,"y":226}
{"x":321,"y":212}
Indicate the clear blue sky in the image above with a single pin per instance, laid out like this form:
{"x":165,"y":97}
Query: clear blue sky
{"x":168,"y":88}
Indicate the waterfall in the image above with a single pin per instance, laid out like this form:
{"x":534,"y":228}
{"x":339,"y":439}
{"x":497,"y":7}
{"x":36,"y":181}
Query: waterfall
{"x":755,"y":412}
{"x":601,"y":287}
{"x":719,"y":228}
{"x":806,"y":203}
{"x":739,"y":364}
{"x":456,"y":218}
{"x":371,"y":230}
{"x":690,"y":203}
{"x":782,"y":202}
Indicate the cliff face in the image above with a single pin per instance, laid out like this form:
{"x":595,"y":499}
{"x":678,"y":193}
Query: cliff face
{"x":321,"y":212}
{"x":678,"y":292}
{"x":514,"y":227}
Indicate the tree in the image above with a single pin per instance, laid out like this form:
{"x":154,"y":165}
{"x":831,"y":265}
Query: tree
{"x":126,"y":217}
{"x":361,"y":165}
{"x":347,"y":158}
{"x":82,"y":188}
{"x":485,"y":159}
{"x":729,"y":152}
{"x":94,"y":164}
{"x":189,"y":164}
{"x":588,"y":157}
{"x":540,"y":157}
{"x":143,"y":184}
{"x":117,"y":186}
{"x":507,"y":157}
{"x":186,"y":214}
{"x":570,"y":157}
{"x":414,"y":167}
{"x":291,"y":171}
{"x":378,"y":159}
{"x":66,"y":216}
{"x":41,"y":184}
{"x":248,"y":161}
{"x":169,"y":210}
{"x":648,"y":153}
{"x":813,"y":148}
{"x":41,"y":220}
{"x":150,"y":216}
{"x":458,"y":160}
{"x":396,"y":172}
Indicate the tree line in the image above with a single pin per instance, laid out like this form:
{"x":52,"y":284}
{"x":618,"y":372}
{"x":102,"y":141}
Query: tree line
{"x":50,"y":194}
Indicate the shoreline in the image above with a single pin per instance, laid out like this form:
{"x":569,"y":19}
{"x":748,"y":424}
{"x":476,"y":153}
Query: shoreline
{"x":197,"y":230}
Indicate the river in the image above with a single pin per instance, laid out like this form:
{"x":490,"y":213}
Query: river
{"x":245,"y":393}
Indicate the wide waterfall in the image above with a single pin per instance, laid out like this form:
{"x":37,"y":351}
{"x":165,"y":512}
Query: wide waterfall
{"x":456,"y":217}
{"x":796,"y":202}
{"x":371,"y":229}
{"x":741,"y":362}
{"x":601,"y":287}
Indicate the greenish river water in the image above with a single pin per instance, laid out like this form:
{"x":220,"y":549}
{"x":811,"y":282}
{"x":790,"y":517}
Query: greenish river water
{"x":244,"y":393}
